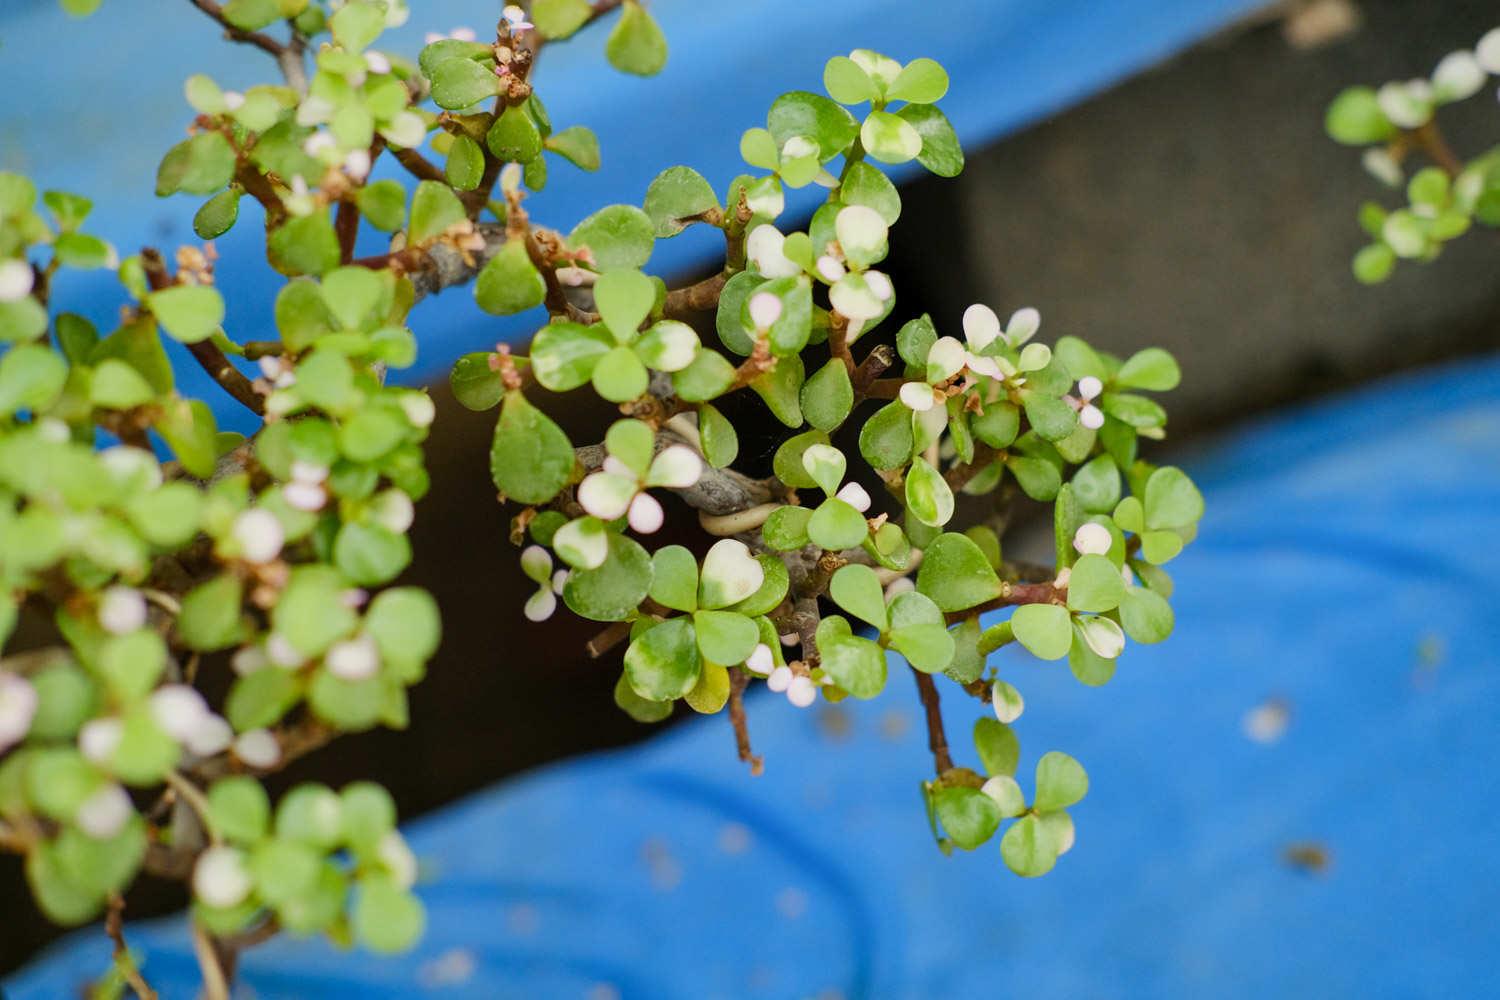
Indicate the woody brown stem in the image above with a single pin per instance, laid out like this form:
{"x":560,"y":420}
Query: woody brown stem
{"x":738,"y":681}
{"x":937,"y":739}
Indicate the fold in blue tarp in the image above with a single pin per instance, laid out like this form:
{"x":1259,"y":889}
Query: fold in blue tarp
{"x":98,"y":120}
{"x":1345,"y":565}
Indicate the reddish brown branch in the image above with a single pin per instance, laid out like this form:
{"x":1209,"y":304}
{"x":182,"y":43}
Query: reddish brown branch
{"x":206,"y":352}
{"x":881,"y":357}
{"x":937,"y":739}
{"x":261,"y":41}
{"x":1430,"y":140}
{"x":738,"y":681}
{"x":696,"y":297}
{"x":418,"y":165}
{"x":114,"y":926}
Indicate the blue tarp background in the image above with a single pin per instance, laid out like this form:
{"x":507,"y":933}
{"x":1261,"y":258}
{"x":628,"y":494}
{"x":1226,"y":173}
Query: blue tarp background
{"x":97,"y":116}
{"x":1340,"y":544}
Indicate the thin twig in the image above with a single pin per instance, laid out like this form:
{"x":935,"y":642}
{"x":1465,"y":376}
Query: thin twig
{"x":937,"y":739}
{"x":215,"y":982}
{"x":114,"y":926}
{"x":738,"y":681}
{"x":193,"y":796}
{"x":261,"y":41}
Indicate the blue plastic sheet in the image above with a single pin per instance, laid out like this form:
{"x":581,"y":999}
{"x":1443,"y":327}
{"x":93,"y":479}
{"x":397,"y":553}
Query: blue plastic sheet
{"x":99,"y":122}
{"x":1346,"y":565}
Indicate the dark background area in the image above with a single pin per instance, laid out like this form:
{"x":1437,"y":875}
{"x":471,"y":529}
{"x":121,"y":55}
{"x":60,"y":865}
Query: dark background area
{"x":1197,"y":207}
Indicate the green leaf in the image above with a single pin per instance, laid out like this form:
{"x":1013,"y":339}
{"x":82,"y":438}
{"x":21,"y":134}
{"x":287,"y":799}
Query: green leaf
{"x":721,"y":445}
{"x":1088,"y":666}
{"x":1050,"y":416}
{"x":624,"y":299}
{"x":786,"y":529}
{"x":531,"y":459}
{"x":847,"y":83}
{"x":1152,"y":369}
{"x":576,"y":144}
{"x":383,"y":203}
{"x":201,"y":165}
{"x":560,"y":18}
{"x":188,"y":428}
{"x":619,"y":236}
{"x":886,"y":438}
{"x":145,"y":752}
{"x":387,"y":919}
{"x":928,"y":495}
{"x":103,"y":866}
{"x":1146,"y":615}
{"x":514,"y":138}
{"x":405,"y":624}
{"x":828,"y":396}
{"x":1039,"y":478}
{"x":706,"y":378}
{"x":999,"y":750}
{"x":304,"y":245}
{"x":1028,"y":848}
{"x":730,"y":574}
{"x":800,"y":114}
{"x":210,"y":617}
{"x":189,"y":313}
{"x":217,"y":215}
{"x":510,"y":283}
{"x":662,"y":663}
{"x":969,"y":816}
{"x":1374,"y":263}
{"x":434,"y":207}
{"x":262,"y":698}
{"x":1097,"y":485}
{"x":22,"y":319}
{"x":1355,"y":119}
{"x":620,"y":377}
{"x":460,"y":82}
{"x":836,"y":526}
{"x":636,"y":45}
{"x":464,"y":168}
{"x":1171,"y":500}
{"x":890,"y":138}
{"x":921,"y":81}
{"x":929,"y":647}
{"x":956,"y":574}
{"x":638,"y":708}
{"x":611,"y":591}
{"x":1060,"y":782}
{"x":781,"y":388}
{"x":60,"y":898}
{"x":868,"y":186}
{"x":678,"y":193}
{"x":941,"y":153}
{"x":1046,"y":630}
{"x":370,"y":554}
{"x":826,"y":466}
{"x":312,"y":615}
{"x":1095,"y":585}
{"x":31,"y":377}
{"x":772,"y":589}
{"x":674,"y":578}
{"x":857,"y":590}
{"x":81,"y":251}
{"x":240,"y":809}
{"x":564,"y":355}
{"x":856,"y":664}
{"x":725,"y":637}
